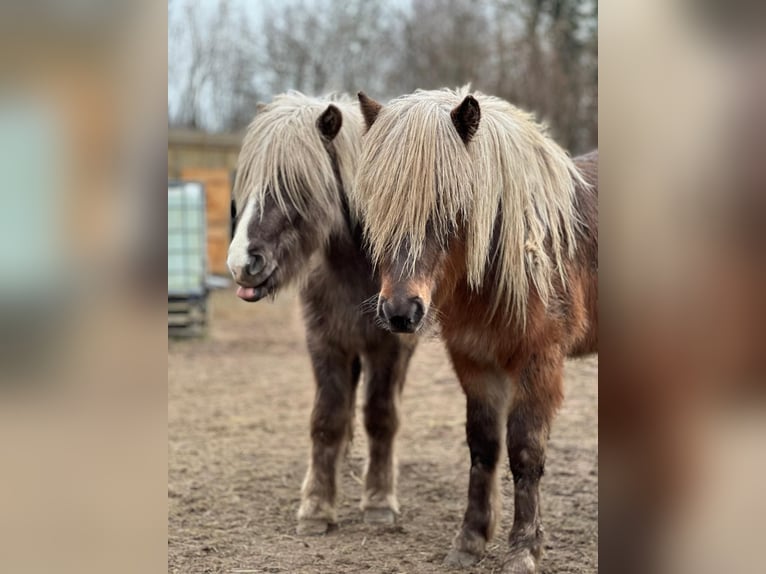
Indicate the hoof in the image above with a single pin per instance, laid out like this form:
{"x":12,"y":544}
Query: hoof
{"x":521,"y":562}
{"x":312,"y":526}
{"x":460,"y":559}
{"x":379,"y":516}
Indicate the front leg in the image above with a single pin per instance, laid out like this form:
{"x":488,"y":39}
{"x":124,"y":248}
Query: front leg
{"x":336,"y":373}
{"x":487,"y":390}
{"x":537,"y":399}
{"x":386,"y":368}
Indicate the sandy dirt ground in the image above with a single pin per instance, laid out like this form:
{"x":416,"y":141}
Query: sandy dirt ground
{"x":238,"y":411}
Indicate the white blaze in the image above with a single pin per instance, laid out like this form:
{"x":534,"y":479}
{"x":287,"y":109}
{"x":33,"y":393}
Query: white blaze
{"x":238,"y":256}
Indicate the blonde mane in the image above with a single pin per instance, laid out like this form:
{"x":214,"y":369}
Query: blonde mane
{"x":284,"y":152}
{"x":415,"y":171}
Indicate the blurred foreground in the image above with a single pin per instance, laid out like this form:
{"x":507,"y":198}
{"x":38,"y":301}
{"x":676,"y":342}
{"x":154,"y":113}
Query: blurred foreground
{"x":683,"y":277}
{"x":82,"y":304}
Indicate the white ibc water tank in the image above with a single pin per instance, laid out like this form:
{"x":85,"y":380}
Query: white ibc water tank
{"x":187,"y":247}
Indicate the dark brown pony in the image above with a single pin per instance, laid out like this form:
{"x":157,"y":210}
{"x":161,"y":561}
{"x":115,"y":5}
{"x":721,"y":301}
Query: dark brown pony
{"x":481,"y":223}
{"x":296,"y":166}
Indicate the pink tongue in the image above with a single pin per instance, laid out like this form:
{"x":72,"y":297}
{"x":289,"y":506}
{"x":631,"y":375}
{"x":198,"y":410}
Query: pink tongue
{"x":245,"y":292}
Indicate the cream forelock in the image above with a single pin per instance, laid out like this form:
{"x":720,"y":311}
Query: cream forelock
{"x":414,"y":170}
{"x":283,"y":152}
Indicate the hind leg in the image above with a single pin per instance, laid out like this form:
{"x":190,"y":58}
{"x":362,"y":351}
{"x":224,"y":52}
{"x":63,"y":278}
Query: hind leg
{"x":386,"y":369}
{"x":487,"y":392}
{"x":336,"y":373}
{"x":538,"y":397}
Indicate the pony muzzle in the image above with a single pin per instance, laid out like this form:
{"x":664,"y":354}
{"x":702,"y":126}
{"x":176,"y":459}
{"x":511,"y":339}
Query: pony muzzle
{"x":401,"y":314}
{"x":254,"y":277}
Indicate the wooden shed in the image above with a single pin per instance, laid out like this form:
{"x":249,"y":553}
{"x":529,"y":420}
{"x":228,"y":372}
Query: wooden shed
{"x":210,"y":159}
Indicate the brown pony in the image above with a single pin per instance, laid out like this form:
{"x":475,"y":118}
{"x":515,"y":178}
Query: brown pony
{"x":481,"y":224}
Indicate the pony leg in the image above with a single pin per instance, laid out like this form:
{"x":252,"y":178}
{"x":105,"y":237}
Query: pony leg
{"x":538,"y":397}
{"x":387,"y":367}
{"x":488,"y":392}
{"x":336,"y":373}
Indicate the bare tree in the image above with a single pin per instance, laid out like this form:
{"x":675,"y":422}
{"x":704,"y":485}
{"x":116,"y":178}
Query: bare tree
{"x":554,"y":65}
{"x":187,"y":61}
{"x":443,"y":43}
{"x":213,"y":60}
{"x":334,"y":45}
{"x":538,"y":54}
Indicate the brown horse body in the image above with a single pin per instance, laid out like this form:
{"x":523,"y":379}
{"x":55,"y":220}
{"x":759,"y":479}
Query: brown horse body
{"x":570,"y":319}
{"x":509,"y":367}
{"x":514,"y":379}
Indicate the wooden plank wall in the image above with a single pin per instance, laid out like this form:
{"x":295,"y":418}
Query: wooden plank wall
{"x":191,"y":149}
{"x":217,"y":183}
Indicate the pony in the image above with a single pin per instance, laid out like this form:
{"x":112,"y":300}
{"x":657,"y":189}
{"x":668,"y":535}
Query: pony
{"x":484,"y":227}
{"x":294,"y":225}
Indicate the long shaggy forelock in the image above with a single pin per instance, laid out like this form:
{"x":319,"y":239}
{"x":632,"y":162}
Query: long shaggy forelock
{"x":415,"y":171}
{"x":284,"y":154}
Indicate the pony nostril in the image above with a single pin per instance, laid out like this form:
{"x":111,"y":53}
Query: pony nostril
{"x":417,"y":310}
{"x":400,"y":324}
{"x":255,"y":264}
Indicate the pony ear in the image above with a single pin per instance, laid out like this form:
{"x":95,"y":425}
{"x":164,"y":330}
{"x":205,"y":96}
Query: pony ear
{"x":370,"y":108}
{"x":466,"y":118}
{"x":329,"y":122}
